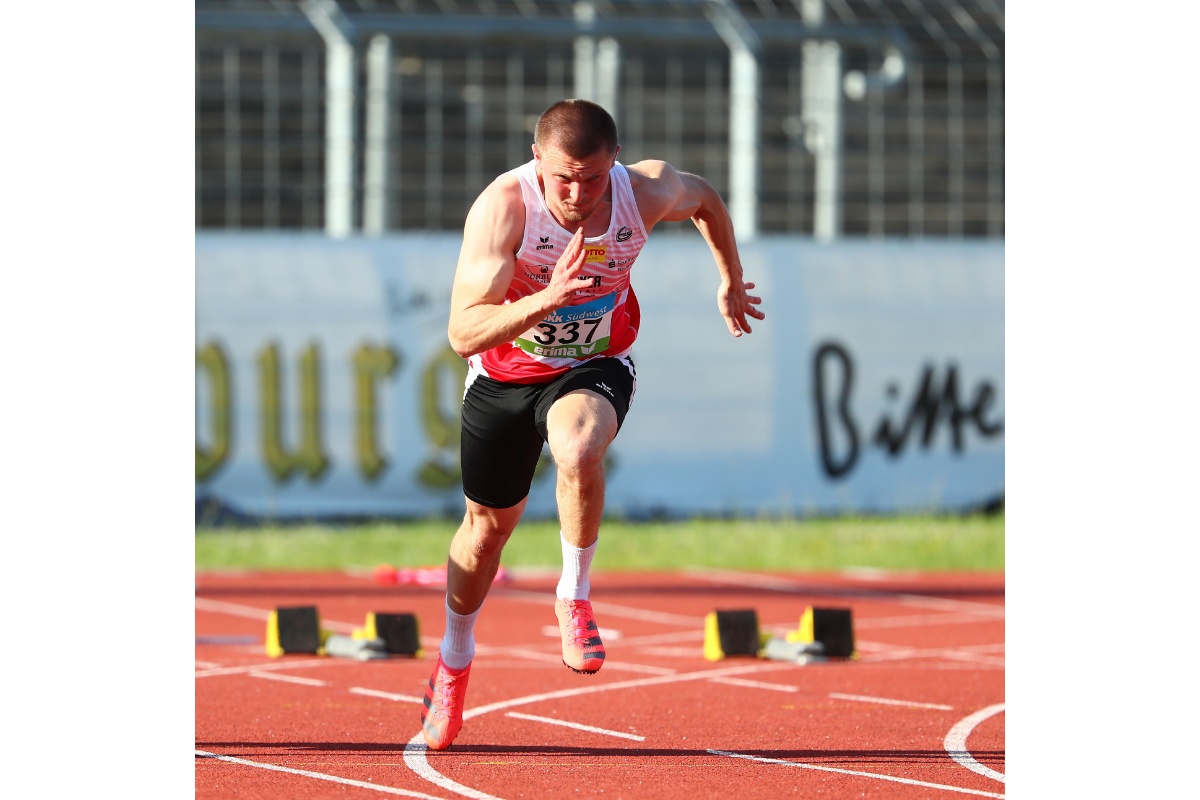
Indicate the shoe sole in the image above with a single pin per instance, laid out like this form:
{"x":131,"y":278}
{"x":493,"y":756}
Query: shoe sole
{"x":581,"y":671}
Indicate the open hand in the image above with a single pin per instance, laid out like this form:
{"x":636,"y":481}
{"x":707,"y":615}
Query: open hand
{"x":735,"y":305}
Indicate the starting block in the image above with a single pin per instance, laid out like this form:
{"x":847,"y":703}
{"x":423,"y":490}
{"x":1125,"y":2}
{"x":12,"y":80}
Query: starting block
{"x":298,"y":629}
{"x":295,"y":629}
{"x":400,"y":633}
{"x":823,"y":633}
{"x":731,"y":633}
{"x":832,"y":628}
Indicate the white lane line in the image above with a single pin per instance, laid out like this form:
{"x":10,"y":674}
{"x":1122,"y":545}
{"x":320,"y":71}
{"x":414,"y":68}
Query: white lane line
{"x":414,"y":751}
{"x":318,"y":776}
{"x":856,"y":773}
{"x":956,"y":741}
{"x":548,"y":658}
{"x":602,"y":607}
{"x":235,"y":609}
{"x":885,"y":701}
{"x":575,"y":725}
{"x":288,"y":678}
{"x":950,"y":655}
{"x":776,"y":687}
{"x":400,"y":698}
{"x":414,"y":759}
{"x":251,"y":612}
{"x":246,"y":669}
{"x":755,"y":581}
{"x":916,"y":621}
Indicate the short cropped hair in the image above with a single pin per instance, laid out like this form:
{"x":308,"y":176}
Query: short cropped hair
{"x":579,"y":128}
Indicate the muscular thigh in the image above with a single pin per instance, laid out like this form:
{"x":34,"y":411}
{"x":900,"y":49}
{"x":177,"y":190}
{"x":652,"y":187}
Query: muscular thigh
{"x":610,"y":378}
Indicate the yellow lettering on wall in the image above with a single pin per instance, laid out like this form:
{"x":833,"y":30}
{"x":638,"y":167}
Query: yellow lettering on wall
{"x":309,"y":458}
{"x":212,"y":361}
{"x":443,"y":376}
{"x":371,"y":363}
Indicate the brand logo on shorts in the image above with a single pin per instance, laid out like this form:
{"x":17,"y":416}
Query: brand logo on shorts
{"x":604,"y":386}
{"x":624,"y":234}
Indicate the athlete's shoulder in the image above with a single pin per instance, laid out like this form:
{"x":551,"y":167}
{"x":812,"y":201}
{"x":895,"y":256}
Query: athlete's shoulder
{"x":650,"y":171}
{"x":657,"y":187}
{"x":501,"y":198}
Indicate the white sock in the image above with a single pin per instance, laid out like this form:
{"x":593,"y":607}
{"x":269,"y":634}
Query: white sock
{"x":458,"y":645}
{"x":574,"y":583}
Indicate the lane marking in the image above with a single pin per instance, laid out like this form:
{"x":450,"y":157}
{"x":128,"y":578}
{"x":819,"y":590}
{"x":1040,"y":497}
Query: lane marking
{"x":318,"y":776}
{"x":556,"y":658}
{"x":750,"y":580}
{"x":414,"y":759}
{"x":576,"y":725}
{"x":917,"y":620}
{"x":615,"y":609}
{"x":246,"y":669}
{"x":288,"y":678}
{"x":856,"y":773}
{"x":956,"y":741}
{"x":252,"y":612}
{"x":885,"y":701}
{"x":976,"y":658}
{"x":415,"y":750}
{"x":400,"y":698}
{"x":776,"y":687}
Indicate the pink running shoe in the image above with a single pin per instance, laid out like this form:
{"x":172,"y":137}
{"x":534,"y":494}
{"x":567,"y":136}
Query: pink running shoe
{"x":581,"y":646}
{"x":441,"y":717}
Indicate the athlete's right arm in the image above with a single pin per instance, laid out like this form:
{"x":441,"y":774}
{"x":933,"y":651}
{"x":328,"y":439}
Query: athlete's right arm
{"x":495,"y":225}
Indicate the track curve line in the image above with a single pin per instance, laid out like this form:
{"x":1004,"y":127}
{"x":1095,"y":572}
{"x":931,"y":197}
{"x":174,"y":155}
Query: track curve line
{"x":415,"y":750}
{"x":321,"y":776}
{"x":956,"y":741}
{"x":856,"y":773}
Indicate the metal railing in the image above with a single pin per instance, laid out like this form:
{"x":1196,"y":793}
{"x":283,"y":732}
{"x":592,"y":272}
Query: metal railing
{"x":830,"y":118}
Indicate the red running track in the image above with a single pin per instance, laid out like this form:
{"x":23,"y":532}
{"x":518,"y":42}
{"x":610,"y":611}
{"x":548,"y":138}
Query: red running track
{"x":920,"y":713}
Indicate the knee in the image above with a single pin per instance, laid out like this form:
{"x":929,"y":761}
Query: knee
{"x":486,"y":530}
{"x":579,"y":452}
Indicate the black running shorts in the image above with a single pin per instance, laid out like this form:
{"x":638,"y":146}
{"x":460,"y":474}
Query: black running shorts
{"x":504,"y":425}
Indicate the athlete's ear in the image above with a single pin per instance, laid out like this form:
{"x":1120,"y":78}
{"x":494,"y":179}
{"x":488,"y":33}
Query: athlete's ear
{"x":536,"y":154}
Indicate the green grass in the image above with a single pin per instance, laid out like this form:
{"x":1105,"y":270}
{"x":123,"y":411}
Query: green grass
{"x":926,"y":543}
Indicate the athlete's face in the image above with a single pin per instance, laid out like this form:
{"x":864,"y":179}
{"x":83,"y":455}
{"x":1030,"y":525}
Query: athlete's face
{"x":573,"y":187}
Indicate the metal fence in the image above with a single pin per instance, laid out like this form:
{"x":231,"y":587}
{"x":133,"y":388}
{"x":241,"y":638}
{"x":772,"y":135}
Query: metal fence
{"x":830,"y":118}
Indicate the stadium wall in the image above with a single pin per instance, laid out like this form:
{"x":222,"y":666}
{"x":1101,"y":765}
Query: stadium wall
{"x":325,"y":386}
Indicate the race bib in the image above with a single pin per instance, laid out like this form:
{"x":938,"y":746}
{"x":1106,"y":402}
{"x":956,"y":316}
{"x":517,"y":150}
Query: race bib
{"x":572,"y":331}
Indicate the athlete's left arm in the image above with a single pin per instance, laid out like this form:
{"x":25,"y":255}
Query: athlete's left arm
{"x":665,"y":193}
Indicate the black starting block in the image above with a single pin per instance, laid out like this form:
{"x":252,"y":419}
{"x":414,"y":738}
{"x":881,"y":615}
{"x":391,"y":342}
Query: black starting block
{"x":823,"y":634}
{"x":298,"y":629}
{"x":731,"y":633}
{"x":295,"y":629}
{"x":832,"y":628}
{"x":400,"y":632}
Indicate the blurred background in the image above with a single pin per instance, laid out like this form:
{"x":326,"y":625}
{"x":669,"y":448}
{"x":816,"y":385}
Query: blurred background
{"x":859,"y":146}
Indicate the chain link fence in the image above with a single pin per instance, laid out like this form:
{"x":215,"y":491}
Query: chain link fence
{"x":441,"y":96}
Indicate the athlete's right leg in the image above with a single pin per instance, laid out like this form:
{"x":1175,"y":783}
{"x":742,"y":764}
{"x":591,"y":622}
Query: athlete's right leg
{"x":475,"y":554}
{"x":474,"y":559}
{"x":499,"y":451}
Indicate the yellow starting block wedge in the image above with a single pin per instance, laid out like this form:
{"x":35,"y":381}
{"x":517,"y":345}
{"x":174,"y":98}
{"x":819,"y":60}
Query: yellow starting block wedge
{"x":295,"y":629}
{"x":400,"y":632}
{"x":832,"y":628}
{"x":732,"y":633}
